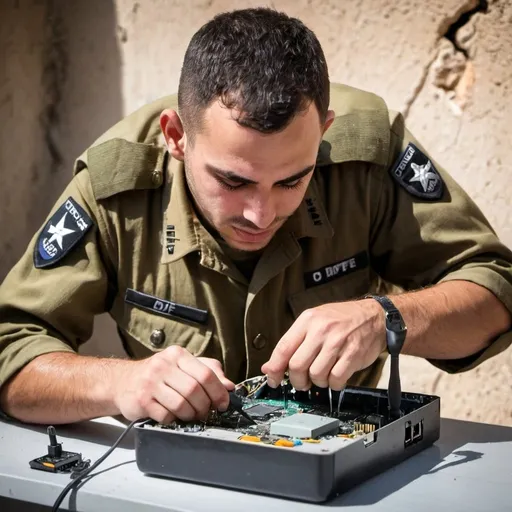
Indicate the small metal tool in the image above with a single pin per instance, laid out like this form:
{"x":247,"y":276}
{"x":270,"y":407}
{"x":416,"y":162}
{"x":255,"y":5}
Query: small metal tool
{"x":284,"y":386}
{"x":330,"y":402}
{"x":340,"y":399}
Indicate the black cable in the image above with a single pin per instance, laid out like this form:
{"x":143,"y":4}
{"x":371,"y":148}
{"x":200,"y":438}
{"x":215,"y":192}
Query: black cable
{"x":81,"y":475}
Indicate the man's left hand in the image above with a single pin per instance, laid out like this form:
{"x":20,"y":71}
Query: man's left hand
{"x":326,"y":345}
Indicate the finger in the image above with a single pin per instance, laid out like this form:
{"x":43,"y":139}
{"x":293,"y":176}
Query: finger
{"x":300,"y":362}
{"x":160,"y":414}
{"x":191,"y":390}
{"x":216,"y":366}
{"x":321,"y":367}
{"x":342,"y":371}
{"x":275,"y":367}
{"x":174,"y":402}
{"x":209,"y":381}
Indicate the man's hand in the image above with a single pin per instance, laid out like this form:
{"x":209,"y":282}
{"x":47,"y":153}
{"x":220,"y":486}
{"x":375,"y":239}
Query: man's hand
{"x":327,"y":344}
{"x":172,"y":384}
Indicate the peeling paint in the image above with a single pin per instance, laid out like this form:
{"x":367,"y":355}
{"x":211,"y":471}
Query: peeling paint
{"x":450,"y":68}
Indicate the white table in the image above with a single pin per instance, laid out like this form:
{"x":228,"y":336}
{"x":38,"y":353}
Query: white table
{"x":469,"y":469}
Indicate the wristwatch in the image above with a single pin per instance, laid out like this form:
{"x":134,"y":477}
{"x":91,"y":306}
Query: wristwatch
{"x":396,"y":329}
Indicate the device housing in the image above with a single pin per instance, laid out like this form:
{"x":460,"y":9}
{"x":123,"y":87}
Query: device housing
{"x":313,"y":470}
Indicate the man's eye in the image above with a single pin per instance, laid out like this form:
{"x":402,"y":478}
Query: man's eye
{"x":229,"y":185}
{"x":292,"y":184}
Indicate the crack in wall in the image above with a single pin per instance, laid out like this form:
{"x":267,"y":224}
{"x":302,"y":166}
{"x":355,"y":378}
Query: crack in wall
{"x":452,"y":55}
{"x":55,"y":66}
{"x":409,"y":102}
{"x":464,"y":18}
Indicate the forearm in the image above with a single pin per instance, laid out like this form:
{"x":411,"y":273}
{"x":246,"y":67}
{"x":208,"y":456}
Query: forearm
{"x":63,"y":388}
{"x":451,"y":320}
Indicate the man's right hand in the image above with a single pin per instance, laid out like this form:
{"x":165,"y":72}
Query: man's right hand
{"x":172,"y":384}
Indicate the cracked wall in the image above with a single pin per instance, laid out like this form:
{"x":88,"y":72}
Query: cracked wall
{"x":447,"y":64}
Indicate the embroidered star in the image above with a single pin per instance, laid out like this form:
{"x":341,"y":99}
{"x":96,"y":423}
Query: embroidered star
{"x":58,"y":231}
{"x":423,"y":174}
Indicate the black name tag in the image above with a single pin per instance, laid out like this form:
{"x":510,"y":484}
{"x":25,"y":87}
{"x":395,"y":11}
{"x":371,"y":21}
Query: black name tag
{"x":336,"y":270}
{"x":165,"y":307}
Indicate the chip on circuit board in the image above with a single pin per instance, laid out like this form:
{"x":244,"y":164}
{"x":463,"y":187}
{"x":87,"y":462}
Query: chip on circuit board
{"x":261,"y":411}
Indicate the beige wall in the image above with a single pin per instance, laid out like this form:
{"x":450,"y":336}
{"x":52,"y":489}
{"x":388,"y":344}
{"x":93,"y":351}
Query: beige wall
{"x":70,"y":69}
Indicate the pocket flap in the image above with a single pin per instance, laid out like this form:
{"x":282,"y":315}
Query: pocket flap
{"x":140,"y":325}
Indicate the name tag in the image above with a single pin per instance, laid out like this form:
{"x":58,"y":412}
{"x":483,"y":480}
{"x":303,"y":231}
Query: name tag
{"x":166,"y":307}
{"x":336,"y":270}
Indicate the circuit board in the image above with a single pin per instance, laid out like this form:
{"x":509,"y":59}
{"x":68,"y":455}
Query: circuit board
{"x":266,"y":408}
{"x":320,"y":436}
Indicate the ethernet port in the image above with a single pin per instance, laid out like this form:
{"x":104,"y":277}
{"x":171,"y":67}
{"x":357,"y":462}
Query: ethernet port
{"x":417,"y":431}
{"x":408,"y":433}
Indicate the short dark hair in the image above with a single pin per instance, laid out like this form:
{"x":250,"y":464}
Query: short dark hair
{"x":261,"y":62}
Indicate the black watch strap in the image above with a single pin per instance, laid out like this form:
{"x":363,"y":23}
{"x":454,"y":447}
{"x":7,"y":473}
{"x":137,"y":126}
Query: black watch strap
{"x":396,"y":329}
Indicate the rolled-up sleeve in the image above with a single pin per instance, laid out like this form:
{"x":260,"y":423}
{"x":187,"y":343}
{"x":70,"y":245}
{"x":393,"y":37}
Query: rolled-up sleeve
{"x":52,"y":309}
{"x":417,"y":242}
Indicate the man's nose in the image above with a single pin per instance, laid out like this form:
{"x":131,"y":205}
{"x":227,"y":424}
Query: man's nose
{"x":260,"y":211}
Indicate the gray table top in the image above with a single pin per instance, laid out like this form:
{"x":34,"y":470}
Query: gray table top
{"x":468,"y":469}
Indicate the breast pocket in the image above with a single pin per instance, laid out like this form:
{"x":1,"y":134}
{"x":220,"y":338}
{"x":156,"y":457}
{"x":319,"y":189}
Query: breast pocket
{"x":157,"y":332}
{"x":343,"y":289}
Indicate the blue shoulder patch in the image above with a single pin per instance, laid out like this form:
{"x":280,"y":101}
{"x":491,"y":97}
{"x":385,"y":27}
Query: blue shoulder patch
{"x":67,"y":226}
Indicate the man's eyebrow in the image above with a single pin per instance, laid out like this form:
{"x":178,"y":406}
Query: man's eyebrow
{"x":232,"y":176}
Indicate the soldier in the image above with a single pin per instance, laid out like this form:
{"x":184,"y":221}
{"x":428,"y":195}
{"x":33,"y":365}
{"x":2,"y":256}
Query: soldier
{"x":237,"y":229}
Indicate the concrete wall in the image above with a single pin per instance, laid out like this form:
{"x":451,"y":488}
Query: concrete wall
{"x":70,"y":69}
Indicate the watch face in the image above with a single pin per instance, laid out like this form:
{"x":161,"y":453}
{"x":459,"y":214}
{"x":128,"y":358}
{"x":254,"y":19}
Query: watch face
{"x":394,"y":321}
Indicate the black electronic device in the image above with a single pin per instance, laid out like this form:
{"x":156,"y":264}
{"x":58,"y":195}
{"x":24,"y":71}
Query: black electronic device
{"x":294,"y":445}
{"x":57,"y":460}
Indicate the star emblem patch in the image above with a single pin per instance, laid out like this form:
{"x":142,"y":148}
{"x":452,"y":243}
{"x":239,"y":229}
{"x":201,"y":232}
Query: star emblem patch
{"x":417,"y":174}
{"x":62,"y":232}
{"x":58,"y":231}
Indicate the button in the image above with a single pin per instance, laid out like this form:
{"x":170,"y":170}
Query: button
{"x":156,"y":178}
{"x":157,"y":338}
{"x":259,"y":342}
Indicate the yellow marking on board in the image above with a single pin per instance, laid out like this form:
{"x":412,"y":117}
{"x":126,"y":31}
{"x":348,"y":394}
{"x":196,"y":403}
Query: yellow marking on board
{"x":285,"y":443}
{"x":250,"y":439}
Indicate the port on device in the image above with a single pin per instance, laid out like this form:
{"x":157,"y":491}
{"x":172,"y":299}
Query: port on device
{"x":413,"y":432}
{"x":369,"y":439}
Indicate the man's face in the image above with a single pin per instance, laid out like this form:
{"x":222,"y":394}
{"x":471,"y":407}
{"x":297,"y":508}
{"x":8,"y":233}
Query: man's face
{"x":245,"y":183}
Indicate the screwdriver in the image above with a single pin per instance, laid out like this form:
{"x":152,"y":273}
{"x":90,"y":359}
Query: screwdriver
{"x":236,"y":404}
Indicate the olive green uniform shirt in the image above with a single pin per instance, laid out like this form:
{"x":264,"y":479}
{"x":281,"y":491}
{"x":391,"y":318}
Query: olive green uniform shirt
{"x":356,"y":229}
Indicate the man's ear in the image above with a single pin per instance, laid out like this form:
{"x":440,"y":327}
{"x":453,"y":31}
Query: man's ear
{"x":172,"y":129}
{"x":329,"y":119}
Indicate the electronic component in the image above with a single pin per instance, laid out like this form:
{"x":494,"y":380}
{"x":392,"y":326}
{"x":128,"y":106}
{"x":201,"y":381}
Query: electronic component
{"x":304,"y":425}
{"x":364,"y":427}
{"x":57,"y":460}
{"x":262,"y":411}
{"x":319,"y":450}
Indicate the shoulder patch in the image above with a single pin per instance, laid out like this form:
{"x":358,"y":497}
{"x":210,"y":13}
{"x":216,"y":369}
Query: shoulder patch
{"x":415,"y":172}
{"x":62,"y":232}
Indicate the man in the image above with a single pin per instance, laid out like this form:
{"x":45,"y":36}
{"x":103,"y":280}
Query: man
{"x":238,"y":232}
